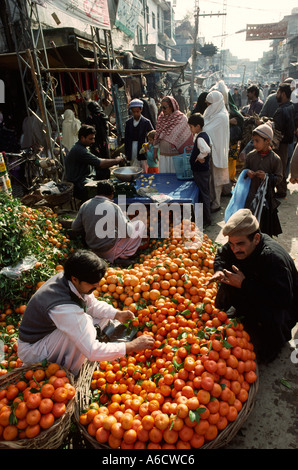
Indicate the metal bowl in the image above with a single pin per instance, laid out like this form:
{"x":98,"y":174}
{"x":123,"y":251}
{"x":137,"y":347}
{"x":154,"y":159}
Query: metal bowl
{"x":128,"y":173}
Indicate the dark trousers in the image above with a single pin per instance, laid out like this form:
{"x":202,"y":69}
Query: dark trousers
{"x":282,"y":152}
{"x":202,"y":180}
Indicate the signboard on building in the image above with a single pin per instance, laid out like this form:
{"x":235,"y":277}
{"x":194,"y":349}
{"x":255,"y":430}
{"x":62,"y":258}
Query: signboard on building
{"x":93,"y":12}
{"x":127,"y":17}
{"x":259,"y":32}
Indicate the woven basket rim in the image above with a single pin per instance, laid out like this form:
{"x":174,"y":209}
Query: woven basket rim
{"x":49,"y":438}
{"x":57,"y":198}
{"x":223,"y":438}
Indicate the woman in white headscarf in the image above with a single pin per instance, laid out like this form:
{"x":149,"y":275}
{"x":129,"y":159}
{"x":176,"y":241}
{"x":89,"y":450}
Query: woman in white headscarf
{"x":70,"y":129}
{"x":222,"y":87}
{"x":216,"y":118}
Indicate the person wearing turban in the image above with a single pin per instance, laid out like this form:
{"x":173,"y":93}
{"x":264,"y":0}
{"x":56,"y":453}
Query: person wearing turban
{"x":259,"y":279}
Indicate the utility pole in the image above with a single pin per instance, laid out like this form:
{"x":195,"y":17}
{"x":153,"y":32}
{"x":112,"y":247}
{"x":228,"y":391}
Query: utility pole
{"x":194,"y":51}
{"x":223,"y":39}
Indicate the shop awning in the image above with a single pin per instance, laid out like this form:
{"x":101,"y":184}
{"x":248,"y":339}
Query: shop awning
{"x":70,"y":57}
{"x":160,"y":64}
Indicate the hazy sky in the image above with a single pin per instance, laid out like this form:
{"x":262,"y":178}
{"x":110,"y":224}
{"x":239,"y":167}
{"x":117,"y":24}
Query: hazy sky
{"x":239,"y":14}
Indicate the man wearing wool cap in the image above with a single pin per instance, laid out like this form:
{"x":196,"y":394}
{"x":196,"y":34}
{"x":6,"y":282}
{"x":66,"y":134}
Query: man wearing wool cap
{"x":243,"y":222}
{"x":136,"y":130}
{"x":260,"y":280}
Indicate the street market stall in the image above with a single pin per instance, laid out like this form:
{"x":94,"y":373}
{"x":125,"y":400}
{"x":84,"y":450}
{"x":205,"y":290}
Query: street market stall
{"x":148,"y":187}
{"x":193,"y":389}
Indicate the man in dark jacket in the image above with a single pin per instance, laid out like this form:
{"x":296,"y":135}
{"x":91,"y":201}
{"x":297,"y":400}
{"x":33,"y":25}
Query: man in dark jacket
{"x":136,"y":130}
{"x":260,"y":280}
{"x":81,"y":164}
{"x":237,"y":98}
{"x":284,"y":122}
{"x":256,"y":103}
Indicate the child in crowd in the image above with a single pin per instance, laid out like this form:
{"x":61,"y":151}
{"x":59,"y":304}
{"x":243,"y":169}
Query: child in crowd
{"x":199,"y":162}
{"x":259,"y":162}
{"x":152,"y":165}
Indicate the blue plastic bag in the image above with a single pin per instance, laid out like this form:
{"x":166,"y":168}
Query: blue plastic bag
{"x":239,"y":195}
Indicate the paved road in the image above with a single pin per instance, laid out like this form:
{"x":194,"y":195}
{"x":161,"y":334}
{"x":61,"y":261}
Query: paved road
{"x":273,"y":422}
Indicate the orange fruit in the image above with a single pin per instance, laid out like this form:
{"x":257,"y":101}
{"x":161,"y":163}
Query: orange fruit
{"x":102,"y":435}
{"x":155,"y":435}
{"x":10,"y":433}
{"x":147,"y":422}
{"x":108,"y":422}
{"x":182,"y":410}
{"x":46,"y":406}
{"x":161,"y":421}
{"x":33,"y":417}
{"x":130,"y":436}
{"x":126,"y":421}
{"x":32,"y":431}
{"x":170,"y":436}
{"x":47,"y":420}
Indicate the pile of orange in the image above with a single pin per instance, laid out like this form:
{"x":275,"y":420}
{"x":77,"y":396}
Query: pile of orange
{"x":38,"y":233}
{"x":195,"y":380}
{"x":34,"y":402}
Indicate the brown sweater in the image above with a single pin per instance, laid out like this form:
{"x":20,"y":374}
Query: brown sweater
{"x":269,"y":163}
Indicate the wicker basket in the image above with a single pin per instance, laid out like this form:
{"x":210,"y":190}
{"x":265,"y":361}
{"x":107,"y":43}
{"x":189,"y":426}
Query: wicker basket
{"x":225,"y":436}
{"x":61,"y":198}
{"x":66,"y":218}
{"x":82,"y":401}
{"x":83,"y":397}
{"x":51,"y":438}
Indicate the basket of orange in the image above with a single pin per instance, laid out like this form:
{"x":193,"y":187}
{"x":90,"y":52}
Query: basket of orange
{"x":36,"y":406}
{"x":126,"y":420}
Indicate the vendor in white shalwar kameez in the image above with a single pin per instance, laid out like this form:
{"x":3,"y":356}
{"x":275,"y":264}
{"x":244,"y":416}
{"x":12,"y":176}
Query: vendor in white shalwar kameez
{"x":216,"y":125}
{"x":59,"y":322}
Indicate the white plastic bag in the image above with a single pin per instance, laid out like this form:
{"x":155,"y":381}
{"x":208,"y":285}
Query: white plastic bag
{"x":16,"y":272}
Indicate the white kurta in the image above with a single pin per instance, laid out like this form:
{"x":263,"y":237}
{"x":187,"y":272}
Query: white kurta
{"x":74,"y":339}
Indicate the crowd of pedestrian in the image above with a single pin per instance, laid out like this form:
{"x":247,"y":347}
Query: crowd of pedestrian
{"x":233,"y":119}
